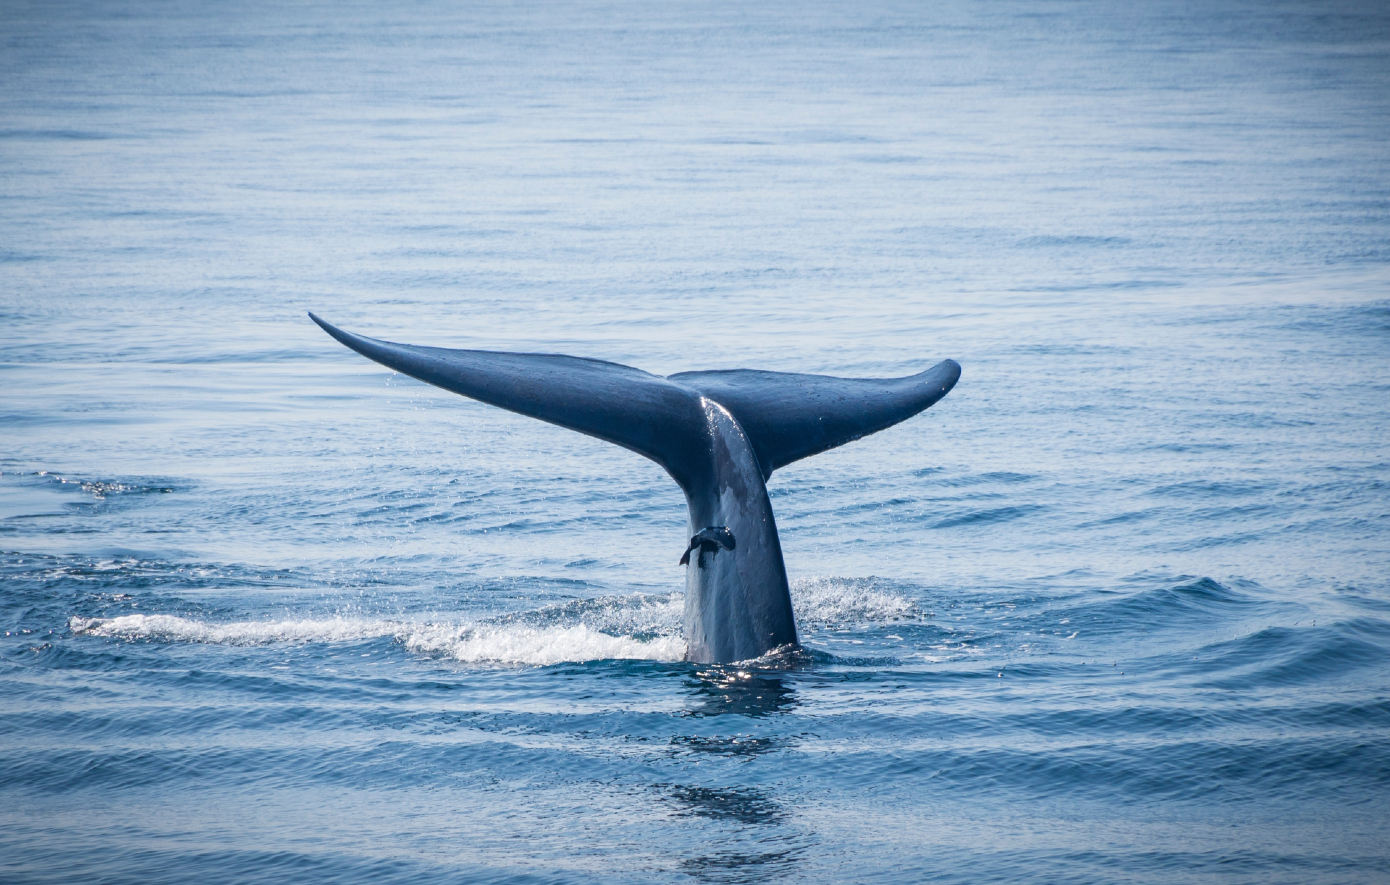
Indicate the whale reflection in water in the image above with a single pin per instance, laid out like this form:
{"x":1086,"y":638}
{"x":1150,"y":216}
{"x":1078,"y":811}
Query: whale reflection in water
{"x":752,"y":693}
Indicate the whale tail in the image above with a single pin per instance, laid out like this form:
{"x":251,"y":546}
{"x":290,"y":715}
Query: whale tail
{"x":718,"y":434}
{"x":786,"y":416}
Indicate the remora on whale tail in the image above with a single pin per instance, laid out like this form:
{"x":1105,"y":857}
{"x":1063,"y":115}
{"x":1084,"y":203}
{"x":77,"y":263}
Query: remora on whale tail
{"x":719,"y":434}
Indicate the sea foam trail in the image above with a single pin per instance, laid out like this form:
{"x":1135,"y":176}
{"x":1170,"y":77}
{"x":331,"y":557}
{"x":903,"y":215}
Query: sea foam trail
{"x":637,"y":627}
{"x":501,"y":644}
{"x":541,"y":646}
{"x":175,"y":629}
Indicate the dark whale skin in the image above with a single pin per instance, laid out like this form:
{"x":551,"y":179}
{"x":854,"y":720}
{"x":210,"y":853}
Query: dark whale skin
{"x":720,"y":435}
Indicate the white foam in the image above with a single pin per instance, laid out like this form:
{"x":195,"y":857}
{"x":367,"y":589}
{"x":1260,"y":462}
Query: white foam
{"x":514,"y":644}
{"x":634,"y":614}
{"x":176,"y":629}
{"x":502,"y":644}
{"x":836,"y":602}
{"x":638,"y":627}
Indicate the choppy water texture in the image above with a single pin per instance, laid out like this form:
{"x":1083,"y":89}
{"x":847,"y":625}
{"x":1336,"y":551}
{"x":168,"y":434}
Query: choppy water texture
{"x":1116,"y":609}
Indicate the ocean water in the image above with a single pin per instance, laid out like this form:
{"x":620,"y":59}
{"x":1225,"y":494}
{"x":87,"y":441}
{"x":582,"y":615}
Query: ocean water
{"x":1117,"y":609}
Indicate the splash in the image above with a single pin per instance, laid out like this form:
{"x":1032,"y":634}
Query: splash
{"x":634,"y":614}
{"x":517,"y":644}
{"x":839,"y":602}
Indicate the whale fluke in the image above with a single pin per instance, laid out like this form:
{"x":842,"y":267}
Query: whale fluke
{"x":618,"y":404}
{"x":719,"y":434}
{"x":789,"y":416}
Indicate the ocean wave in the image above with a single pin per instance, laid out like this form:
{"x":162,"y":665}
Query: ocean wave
{"x":1176,"y":602}
{"x":1282,"y":655}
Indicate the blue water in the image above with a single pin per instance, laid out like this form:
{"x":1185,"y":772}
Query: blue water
{"x":1115,"y":610}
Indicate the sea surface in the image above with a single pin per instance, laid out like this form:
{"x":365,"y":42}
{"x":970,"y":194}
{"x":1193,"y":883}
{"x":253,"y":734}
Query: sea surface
{"x":1117,"y":609}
